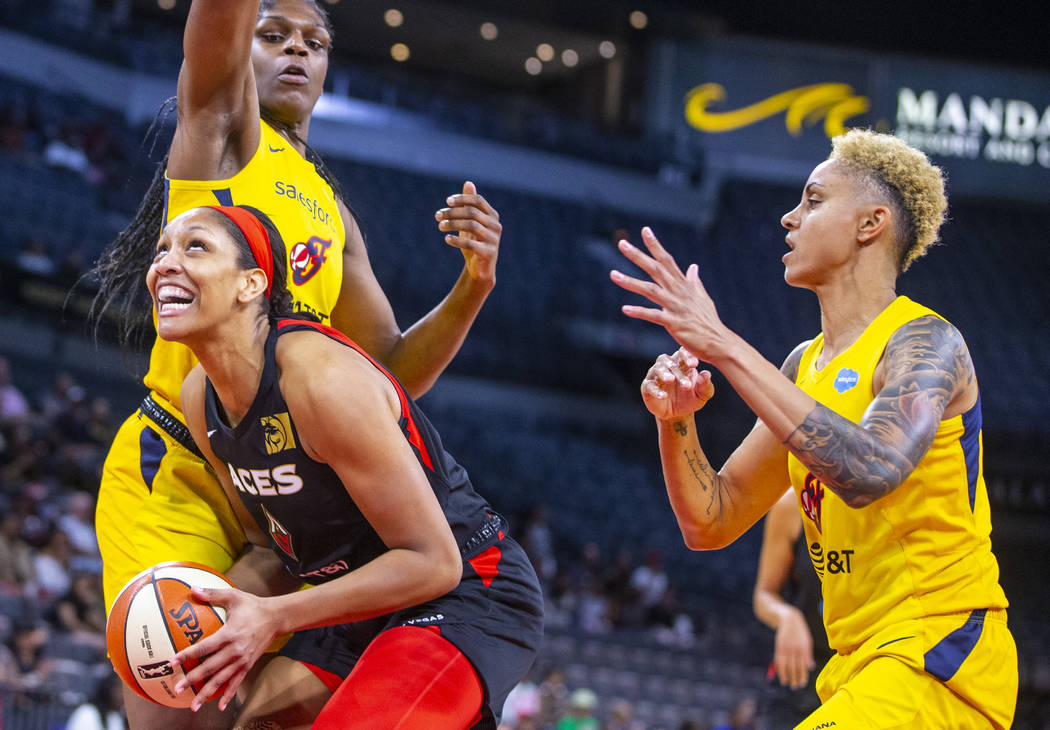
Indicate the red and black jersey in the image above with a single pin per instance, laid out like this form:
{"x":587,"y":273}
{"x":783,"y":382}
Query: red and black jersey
{"x":303,"y":505}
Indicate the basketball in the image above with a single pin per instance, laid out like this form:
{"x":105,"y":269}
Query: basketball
{"x":299,"y":256}
{"x":154,"y":617}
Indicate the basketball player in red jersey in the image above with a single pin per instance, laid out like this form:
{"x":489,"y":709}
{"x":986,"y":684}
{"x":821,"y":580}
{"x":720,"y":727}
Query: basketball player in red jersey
{"x":425,"y":612}
{"x":250,"y":79}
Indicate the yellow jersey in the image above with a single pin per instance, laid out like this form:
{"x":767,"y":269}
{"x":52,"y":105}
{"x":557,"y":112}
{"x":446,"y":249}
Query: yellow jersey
{"x":281,"y":183}
{"x":922,"y":550}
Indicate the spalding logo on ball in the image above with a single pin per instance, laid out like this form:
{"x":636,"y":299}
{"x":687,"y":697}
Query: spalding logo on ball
{"x":154,"y":617}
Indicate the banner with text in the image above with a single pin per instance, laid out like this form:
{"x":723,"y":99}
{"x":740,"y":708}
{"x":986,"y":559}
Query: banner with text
{"x":755,"y":106}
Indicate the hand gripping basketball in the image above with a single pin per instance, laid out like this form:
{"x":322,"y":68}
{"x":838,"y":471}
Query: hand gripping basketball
{"x":154,"y":617}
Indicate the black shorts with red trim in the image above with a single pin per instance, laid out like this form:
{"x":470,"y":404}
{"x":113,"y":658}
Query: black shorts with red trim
{"x":494,"y":616}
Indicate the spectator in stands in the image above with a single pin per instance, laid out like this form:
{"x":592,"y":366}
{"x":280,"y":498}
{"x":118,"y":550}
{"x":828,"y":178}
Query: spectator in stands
{"x":554,"y":695}
{"x":668,"y":622}
{"x":876,"y":423}
{"x":16,"y":558}
{"x":65,"y":150}
{"x":28,"y":450}
{"x":82,"y":610}
{"x":52,"y":565}
{"x":650,"y":579}
{"x":787,"y":599}
{"x":35,"y":257}
{"x":58,"y":400}
{"x":105,"y":711}
{"x":523,"y":703}
{"x":625,"y":611}
{"x":593,"y":614}
{"x":13,"y":405}
{"x":621,"y":717}
{"x":539,"y":544}
{"x":71,"y":266}
{"x":583,"y":704}
{"x":25,"y":665}
{"x":742,"y":716}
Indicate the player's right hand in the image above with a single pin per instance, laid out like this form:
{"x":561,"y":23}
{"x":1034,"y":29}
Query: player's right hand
{"x":673,"y":387}
{"x":793,"y":650}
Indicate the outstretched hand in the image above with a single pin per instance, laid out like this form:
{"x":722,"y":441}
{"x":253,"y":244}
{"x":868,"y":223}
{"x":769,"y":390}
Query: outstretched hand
{"x":673,"y":387}
{"x":226,"y":656}
{"x":478,"y":231}
{"x":686,"y":310}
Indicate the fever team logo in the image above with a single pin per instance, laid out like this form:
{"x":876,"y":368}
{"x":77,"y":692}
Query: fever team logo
{"x":277,"y":431}
{"x":306,"y":259}
{"x":812,"y":499}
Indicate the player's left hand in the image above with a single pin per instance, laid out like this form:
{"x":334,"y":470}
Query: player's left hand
{"x":478,"y":231}
{"x":686,"y":310}
{"x":227,"y":655}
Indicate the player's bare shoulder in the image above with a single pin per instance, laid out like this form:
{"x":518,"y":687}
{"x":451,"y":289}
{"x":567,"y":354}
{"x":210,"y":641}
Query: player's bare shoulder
{"x":192,"y":398}
{"x":318,"y":370}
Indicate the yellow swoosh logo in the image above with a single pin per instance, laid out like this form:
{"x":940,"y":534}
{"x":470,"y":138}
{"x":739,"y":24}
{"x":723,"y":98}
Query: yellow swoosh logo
{"x":804,"y":105}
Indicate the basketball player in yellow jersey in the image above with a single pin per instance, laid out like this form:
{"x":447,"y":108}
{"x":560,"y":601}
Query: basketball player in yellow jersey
{"x":877,"y":423}
{"x":251,"y":76}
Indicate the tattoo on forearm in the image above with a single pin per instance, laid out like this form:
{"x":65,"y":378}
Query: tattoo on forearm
{"x":681,"y":428}
{"x":926,"y":363}
{"x":705,"y":478}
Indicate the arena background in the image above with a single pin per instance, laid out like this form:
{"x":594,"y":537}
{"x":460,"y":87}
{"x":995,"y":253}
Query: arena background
{"x":541,"y":405}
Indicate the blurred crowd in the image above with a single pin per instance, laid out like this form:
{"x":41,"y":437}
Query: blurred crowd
{"x":81,"y":145}
{"x":598,"y":593}
{"x":52,"y":612}
{"x":548,"y":703}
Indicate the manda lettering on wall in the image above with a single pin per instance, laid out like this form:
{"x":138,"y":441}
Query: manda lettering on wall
{"x":1013,"y":131}
{"x":766,"y":110}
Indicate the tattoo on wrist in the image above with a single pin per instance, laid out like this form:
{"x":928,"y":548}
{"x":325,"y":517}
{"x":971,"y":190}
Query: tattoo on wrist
{"x":681,"y":428}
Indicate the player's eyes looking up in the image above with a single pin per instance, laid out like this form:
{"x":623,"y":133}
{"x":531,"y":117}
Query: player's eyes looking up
{"x":277,"y":31}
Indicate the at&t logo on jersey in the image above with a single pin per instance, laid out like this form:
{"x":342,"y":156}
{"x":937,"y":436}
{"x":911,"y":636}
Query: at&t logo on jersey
{"x":812,"y":499}
{"x":277,"y":430}
{"x":306,"y":259}
{"x":833,"y":562}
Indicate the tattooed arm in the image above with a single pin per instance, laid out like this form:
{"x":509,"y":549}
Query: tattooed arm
{"x":925,"y":375}
{"x":713,"y":507}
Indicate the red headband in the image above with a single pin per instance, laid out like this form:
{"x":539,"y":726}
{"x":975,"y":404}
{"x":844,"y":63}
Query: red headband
{"x":258,"y":238}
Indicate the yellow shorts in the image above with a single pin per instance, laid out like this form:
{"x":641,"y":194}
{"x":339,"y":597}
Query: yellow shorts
{"x":158,"y":501}
{"x":954,"y":672}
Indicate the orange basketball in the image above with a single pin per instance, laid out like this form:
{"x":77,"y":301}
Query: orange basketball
{"x":156,"y":616}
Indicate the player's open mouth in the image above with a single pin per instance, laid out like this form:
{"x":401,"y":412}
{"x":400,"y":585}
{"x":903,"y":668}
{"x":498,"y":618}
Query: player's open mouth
{"x":172,"y":299}
{"x":293,"y":75}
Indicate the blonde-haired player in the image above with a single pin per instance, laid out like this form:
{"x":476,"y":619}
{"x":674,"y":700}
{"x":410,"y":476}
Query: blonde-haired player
{"x":877,"y":422}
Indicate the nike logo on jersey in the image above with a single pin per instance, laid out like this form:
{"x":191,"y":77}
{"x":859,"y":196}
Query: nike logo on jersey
{"x":211,"y":432}
{"x":276,"y":149}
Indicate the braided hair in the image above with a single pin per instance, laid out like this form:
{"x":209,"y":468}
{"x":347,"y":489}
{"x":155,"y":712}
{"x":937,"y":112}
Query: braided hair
{"x":121,"y":267}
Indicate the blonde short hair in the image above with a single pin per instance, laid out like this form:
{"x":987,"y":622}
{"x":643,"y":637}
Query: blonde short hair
{"x":903,"y":175}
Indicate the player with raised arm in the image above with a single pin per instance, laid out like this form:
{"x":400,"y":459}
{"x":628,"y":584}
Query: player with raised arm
{"x":251,"y":76}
